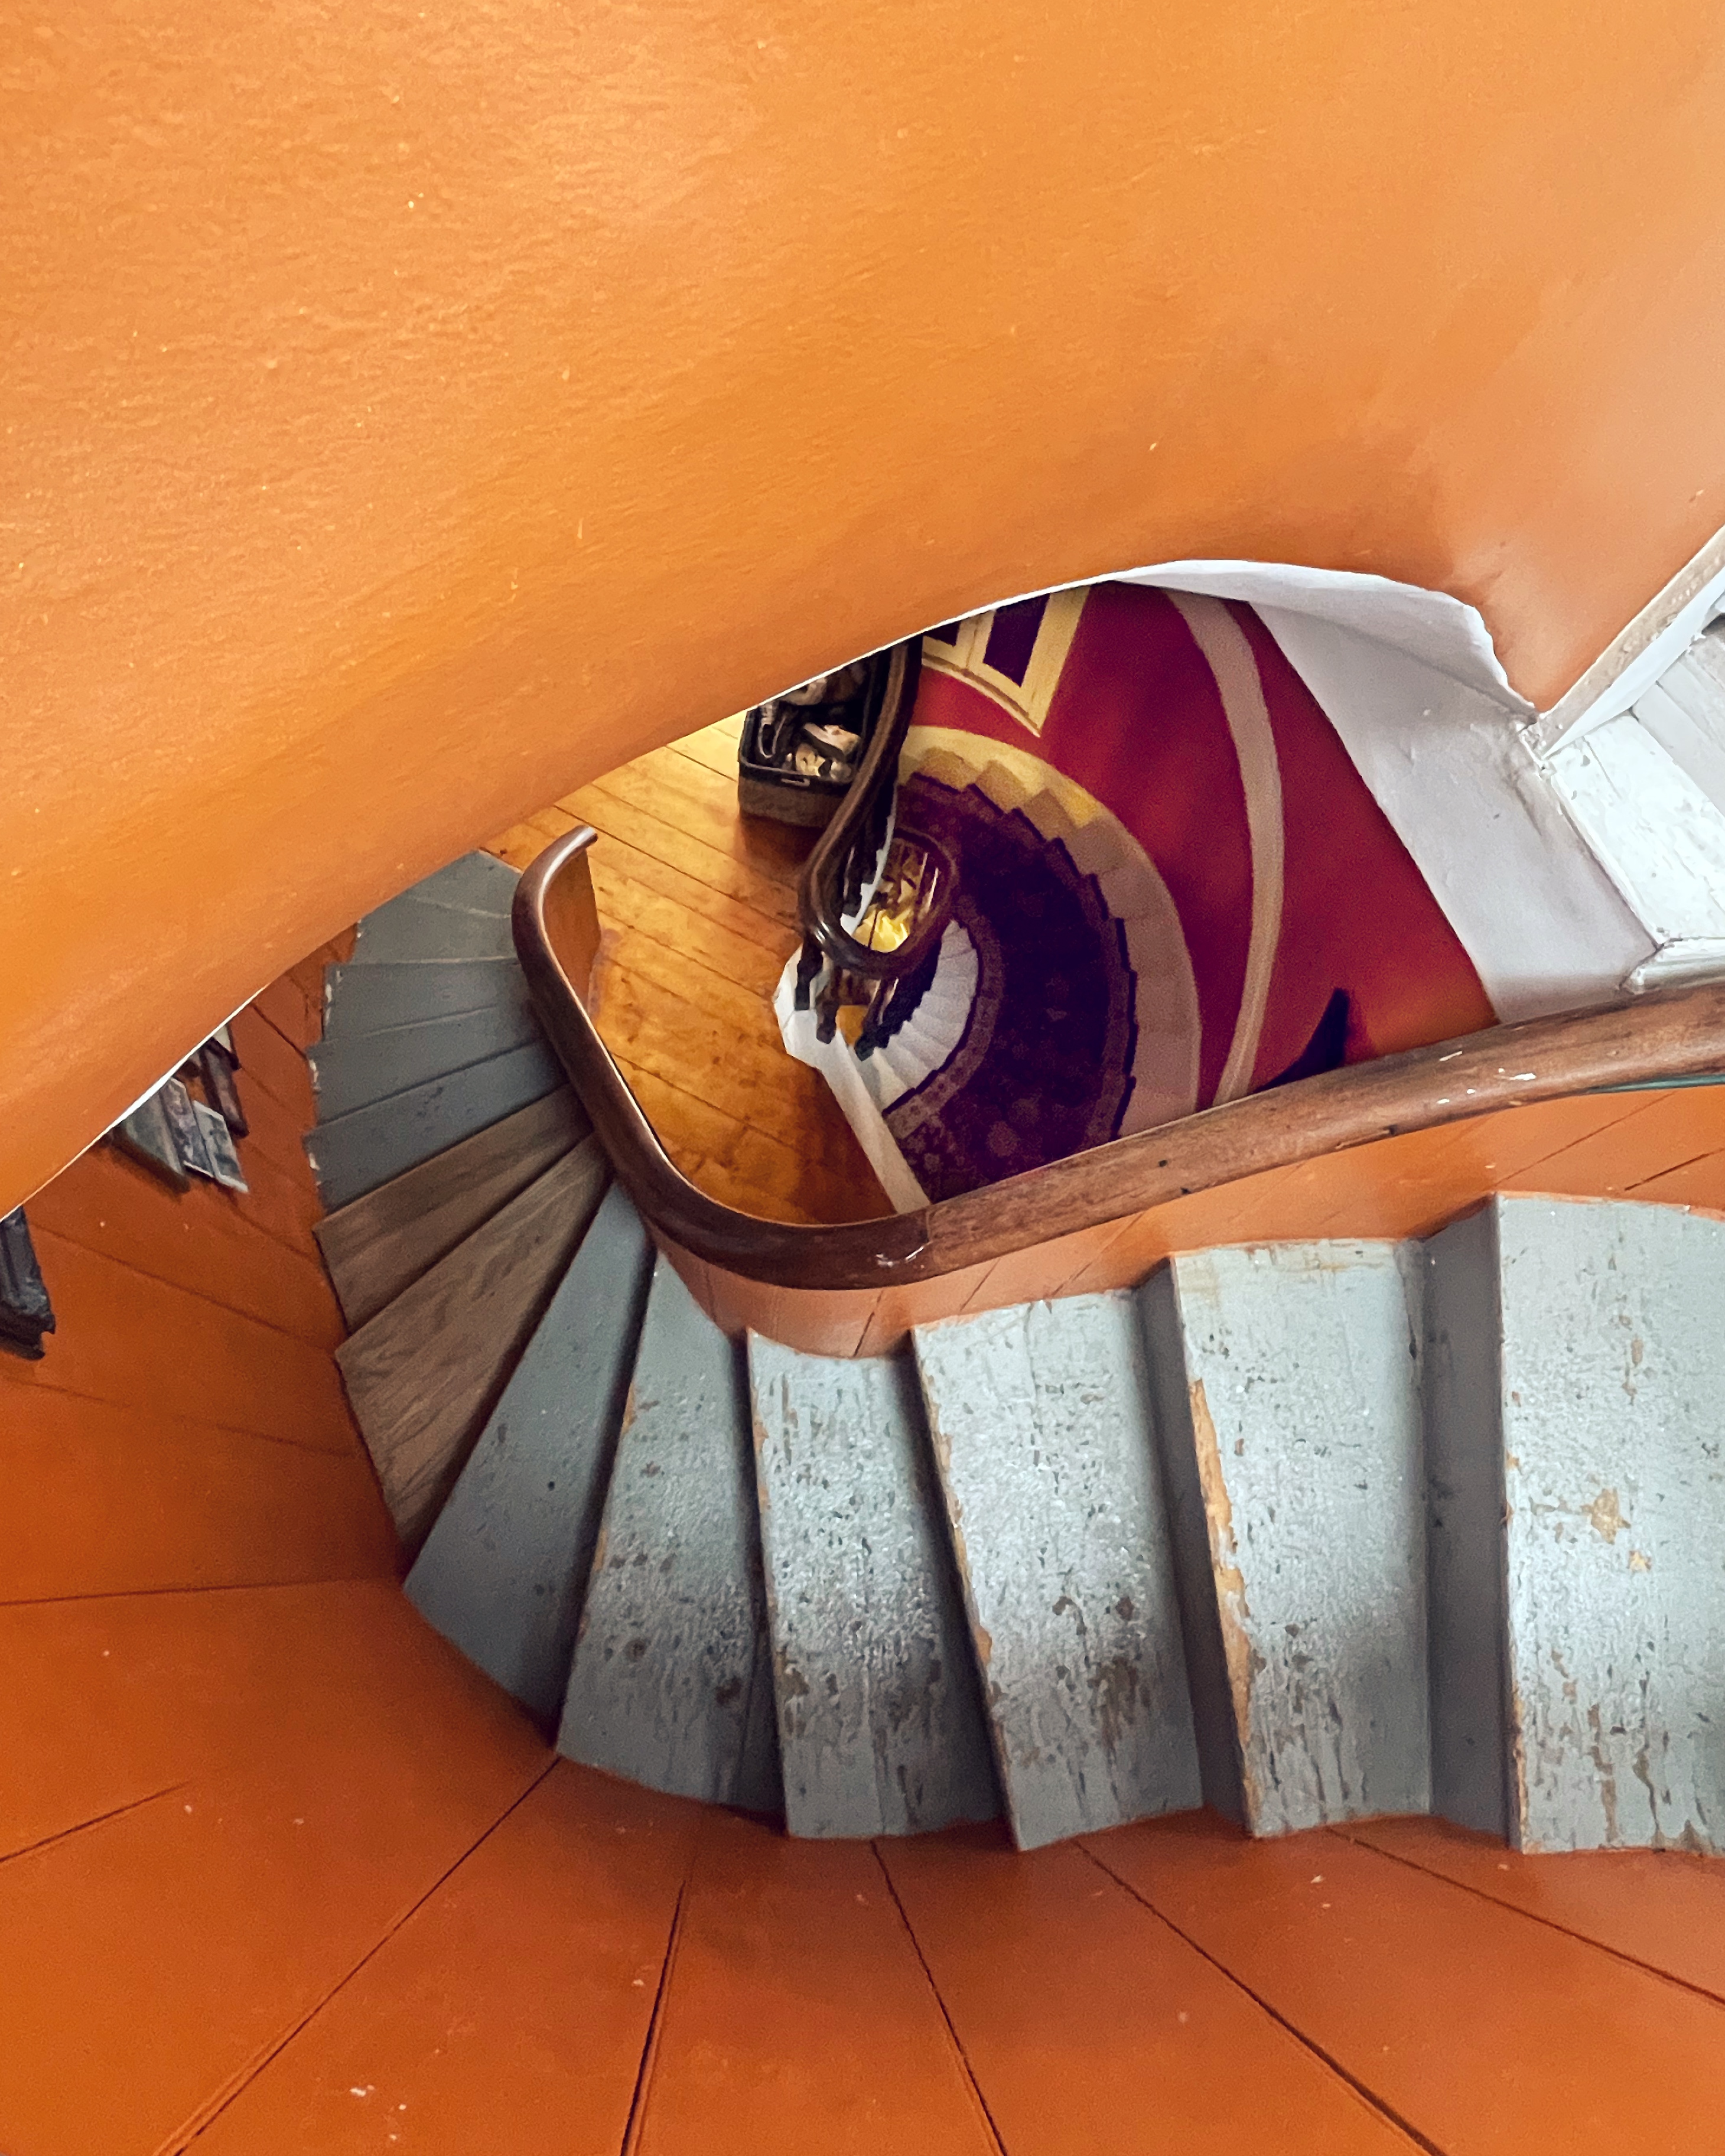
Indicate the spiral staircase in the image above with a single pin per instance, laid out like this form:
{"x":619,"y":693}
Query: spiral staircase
{"x":1308,"y":1532}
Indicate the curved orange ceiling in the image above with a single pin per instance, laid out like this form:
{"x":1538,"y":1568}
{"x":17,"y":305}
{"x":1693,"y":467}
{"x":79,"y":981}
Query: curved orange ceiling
{"x":410,"y":411}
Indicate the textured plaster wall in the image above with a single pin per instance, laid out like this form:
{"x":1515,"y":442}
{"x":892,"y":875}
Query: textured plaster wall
{"x":409,"y":412}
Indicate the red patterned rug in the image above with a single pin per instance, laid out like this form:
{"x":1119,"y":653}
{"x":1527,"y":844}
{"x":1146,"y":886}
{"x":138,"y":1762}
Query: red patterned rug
{"x":1175,"y":888}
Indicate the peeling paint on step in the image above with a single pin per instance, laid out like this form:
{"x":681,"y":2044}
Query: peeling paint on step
{"x":1594,"y":1437}
{"x":881,"y":1718}
{"x":671,"y":1685}
{"x":1044,"y":1450}
{"x":1299,"y":1400}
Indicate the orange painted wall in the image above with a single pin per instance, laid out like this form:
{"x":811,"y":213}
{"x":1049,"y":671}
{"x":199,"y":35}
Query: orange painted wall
{"x":411,"y":412}
{"x":187,"y":1428}
{"x":217,"y":1795}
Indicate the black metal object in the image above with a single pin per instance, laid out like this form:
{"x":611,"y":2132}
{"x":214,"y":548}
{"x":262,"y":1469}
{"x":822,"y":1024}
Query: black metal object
{"x":849,"y":853}
{"x":26,"y":1314}
{"x":216,"y":1065}
{"x":893,"y":1005}
{"x":1327,"y":1048}
{"x":768,"y":780}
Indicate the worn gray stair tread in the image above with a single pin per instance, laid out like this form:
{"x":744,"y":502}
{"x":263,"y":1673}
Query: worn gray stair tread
{"x":362,"y":999}
{"x":1043,"y":1442}
{"x":504,"y":1571}
{"x":356,"y":1153}
{"x":352,"y":1073}
{"x":880,"y":1722}
{"x":407,"y":931}
{"x":1287,"y":1390}
{"x":425,"y":1373}
{"x":381,"y":1242}
{"x":1574,"y":1449}
{"x":670,"y":1685}
{"x":474,"y":883}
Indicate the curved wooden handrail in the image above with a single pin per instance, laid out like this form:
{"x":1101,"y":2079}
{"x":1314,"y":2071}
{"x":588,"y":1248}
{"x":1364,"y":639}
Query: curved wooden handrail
{"x":1667,"y":1033}
{"x":819,"y":889}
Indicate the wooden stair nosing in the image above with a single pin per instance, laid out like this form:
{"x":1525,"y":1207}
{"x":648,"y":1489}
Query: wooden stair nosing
{"x":354,"y":1153}
{"x":505,"y":1569}
{"x":354,"y":1074}
{"x":424,"y":1373}
{"x":381,"y":1242}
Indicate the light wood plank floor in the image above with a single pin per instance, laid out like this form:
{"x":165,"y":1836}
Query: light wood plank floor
{"x":698,"y":909}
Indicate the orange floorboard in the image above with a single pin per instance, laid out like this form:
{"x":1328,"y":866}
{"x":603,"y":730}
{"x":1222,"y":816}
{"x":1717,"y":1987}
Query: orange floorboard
{"x":510,"y":2012}
{"x":173,"y":1947}
{"x":107,"y":1699}
{"x":1662,"y":1909}
{"x":798,"y":2013}
{"x":376,"y":1889}
{"x":1090,"y":2024}
{"x":1485,"y":2032}
{"x":352,"y":1937}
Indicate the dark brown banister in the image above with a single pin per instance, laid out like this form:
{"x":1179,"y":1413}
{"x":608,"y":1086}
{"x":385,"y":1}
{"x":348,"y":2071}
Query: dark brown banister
{"x":1668,"y":1033}
{"x":832,"y":879}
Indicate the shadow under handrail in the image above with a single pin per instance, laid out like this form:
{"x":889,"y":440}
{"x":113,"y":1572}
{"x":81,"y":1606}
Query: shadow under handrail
{"x":1667,"y":1033}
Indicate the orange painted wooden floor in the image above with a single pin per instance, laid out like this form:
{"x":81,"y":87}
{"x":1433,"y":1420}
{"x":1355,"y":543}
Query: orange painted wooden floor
{"x":699,"y":908}
{"x":290,"y":1879}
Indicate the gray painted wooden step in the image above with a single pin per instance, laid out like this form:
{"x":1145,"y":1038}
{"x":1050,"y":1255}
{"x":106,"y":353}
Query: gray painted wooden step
{"x":880,"y":1722}
{"x":1576,"y":1453}
{"x":352,"y":1073}
{"x":355,"y":1154}
{"x":1042,"y":1436}
{"x":671,"y":1685}
{"x":361,"y":1000}
{"x":476,"y":883}
{"x":382,"y":1242}
{"x":407,"y":931}
{"x":504,"y":1568}
{"x":423,"y":1375}
{"x":1287,"y":1390}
